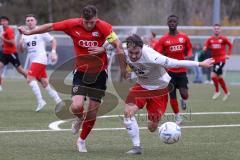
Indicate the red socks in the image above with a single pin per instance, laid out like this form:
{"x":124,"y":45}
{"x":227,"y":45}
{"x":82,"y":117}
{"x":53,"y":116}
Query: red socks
{"x":174,"y":104}
{"x":86,"y":128}
{"x":219,"y":80}
{"x":223,"y":84}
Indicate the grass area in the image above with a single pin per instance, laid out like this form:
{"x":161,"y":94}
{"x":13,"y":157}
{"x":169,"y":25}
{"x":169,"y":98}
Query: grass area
{"x":17,"y":113}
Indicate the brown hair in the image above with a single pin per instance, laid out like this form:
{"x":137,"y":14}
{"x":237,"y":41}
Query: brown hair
{"x":134,"y":41}
{"x":89,"y":12}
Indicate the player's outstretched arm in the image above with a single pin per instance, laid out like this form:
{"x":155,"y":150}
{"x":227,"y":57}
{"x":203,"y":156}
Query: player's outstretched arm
{"x":207,"y":63}
{"x":40,"y":29}
{"x":173,"y":63}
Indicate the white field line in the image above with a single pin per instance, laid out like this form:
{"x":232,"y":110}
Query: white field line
{"x":195,"y":113}
{"x":117,"y":129}
{"x":54,"y":125}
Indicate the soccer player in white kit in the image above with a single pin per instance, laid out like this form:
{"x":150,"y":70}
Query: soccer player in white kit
{"x":151,"y":88}
{"x":35,"y":48}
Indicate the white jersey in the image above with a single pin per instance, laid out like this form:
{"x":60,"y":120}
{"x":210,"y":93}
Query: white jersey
{"x":150,"y":68}
{"x":35,"y":46}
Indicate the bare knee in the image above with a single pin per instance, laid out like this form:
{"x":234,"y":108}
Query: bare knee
{"x":152,"y":126}
{"x":76,"y":106}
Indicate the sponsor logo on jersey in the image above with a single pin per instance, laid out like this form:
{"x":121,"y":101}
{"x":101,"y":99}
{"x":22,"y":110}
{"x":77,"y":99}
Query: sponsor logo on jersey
{"x":86,"y":43}
{"x":176,"y":48}
{"x":168,"y":42}
{"x":95,"y":34}
{"x":75,"y":89}
{"x":78,"y":33}
{"x":216,"y":46}
{"x":181,"y":40}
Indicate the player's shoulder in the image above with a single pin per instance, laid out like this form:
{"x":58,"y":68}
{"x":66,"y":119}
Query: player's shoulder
{"x":9,"y":29}
{"x":101,"y":23}
{"x":73,"y":21}
{"x":182,"y":34}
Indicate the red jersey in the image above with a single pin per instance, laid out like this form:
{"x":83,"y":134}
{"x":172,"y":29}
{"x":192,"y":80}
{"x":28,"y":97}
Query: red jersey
{"x":217,"y":45}
{"x":83,"y":39}
{"x":8,"y":48}
{"x":176,"y":47}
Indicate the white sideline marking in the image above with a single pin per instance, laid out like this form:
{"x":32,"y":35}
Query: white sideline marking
{"x":54,"y":125}
{"x":195,"y":113}
{"x":117,"y":129}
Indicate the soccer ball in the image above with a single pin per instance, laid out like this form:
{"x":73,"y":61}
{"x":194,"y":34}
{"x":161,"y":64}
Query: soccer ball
{"x":169,"y":132}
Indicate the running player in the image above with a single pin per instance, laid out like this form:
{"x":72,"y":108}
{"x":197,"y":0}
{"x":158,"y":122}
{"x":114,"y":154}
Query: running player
{"x":9,"y":50}
{"x":89,"y":34}
{"x":217,"y":44}
{"x":151,"y":88}
{"x":35,"y":48}
{"x":177,"y":45}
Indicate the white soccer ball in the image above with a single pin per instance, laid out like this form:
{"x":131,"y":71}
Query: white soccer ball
{"x":169,"y":132}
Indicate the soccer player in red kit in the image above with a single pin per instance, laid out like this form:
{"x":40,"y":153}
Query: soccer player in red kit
{"x":89,"y":35}
{"x":217,"y":44}
{"x":9,"y":51}
{"x":176,"y":45}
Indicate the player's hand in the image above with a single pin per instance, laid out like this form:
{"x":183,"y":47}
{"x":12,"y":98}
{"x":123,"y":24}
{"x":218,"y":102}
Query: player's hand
{"x":54,"y":57}
{"x":96,"y":50}
{"x":207,"y":63}
{"x":23,"y":30}
{"x":227,"y":56}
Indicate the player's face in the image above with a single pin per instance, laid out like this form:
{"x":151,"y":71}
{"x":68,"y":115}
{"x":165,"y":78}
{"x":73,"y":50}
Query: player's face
{"x":172,"y":23}
{"x":4,"y":22}
{"x":31,"y":22}
{"x":89,"y":24}
{"x":216,"y":30}
{"x":134,"y":53}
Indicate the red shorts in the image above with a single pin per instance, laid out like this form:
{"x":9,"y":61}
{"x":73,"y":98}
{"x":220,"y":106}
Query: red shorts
{"x":37,"y":70}
{"x":155,"y":100}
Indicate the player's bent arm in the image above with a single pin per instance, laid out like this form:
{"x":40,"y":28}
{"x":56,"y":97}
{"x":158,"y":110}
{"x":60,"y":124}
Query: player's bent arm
{"x":20,"y":46}
{"x":40,"y":29}
{"x":113,"y":39}
{"x":10,"y":41}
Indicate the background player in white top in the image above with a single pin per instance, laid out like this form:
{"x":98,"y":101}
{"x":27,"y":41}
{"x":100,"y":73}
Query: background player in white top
{"x":35,"y":47}
{"x":151,"y":88}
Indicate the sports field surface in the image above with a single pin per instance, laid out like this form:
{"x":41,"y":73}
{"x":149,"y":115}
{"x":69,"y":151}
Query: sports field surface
{"x":210,"y":132}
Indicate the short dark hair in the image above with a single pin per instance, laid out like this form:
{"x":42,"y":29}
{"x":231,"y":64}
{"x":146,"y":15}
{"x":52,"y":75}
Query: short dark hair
{"x":89,"y":12}
{"x":30,"y":15}
{"x":217,"y":24}
{"x":134,"y":41}
{"x":173,"y":16}
{"x":4,"y":17}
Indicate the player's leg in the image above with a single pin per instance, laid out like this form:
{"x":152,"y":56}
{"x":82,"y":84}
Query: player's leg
{"x":174,"y":105}
{"x":214,"y":77}
{"x":173,"y":95}
{"x":156,"y":108}
{"x":45,"y":83}
{"x":3,"y":61}
{"x":13,"y":58}
{"x":1,"y":69}
{"x":32,"y":75}
{"x":94,"y":87}
{"x":88,"y":124}
{"x":131,"y":125}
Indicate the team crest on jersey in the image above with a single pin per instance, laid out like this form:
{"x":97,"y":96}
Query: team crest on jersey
{"x":220,"y":40}
{"x":75,"y":89}
{"x":181,"y":40}
{"x":168,"y":42}
{"x":95,"y":34}
{"x":35,"y":37}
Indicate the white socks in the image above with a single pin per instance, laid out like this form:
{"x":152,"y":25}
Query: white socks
{"x":133,"y":130}
{"x":53,"y":94}
{"x":36,"y":90}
